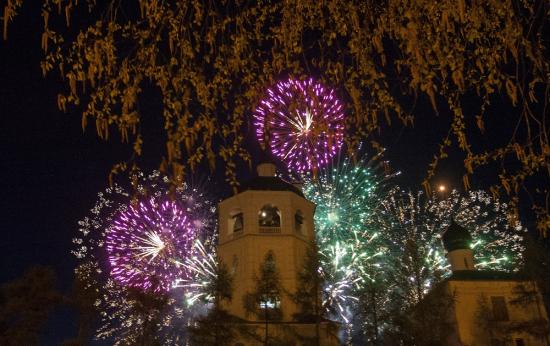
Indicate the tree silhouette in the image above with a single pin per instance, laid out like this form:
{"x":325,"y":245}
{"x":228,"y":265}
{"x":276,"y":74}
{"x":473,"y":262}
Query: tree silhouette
{"x":82,"y":299}
{"x":264,"y":302}
{"x":308,"y":294}
{"x":217,"y":327}
{"x":25,"y":305}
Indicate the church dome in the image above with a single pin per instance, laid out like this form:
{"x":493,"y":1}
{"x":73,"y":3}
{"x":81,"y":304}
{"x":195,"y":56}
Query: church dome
{"x":456,"y":237}
{"x":270,"y":184}
{"x":267,"y":181}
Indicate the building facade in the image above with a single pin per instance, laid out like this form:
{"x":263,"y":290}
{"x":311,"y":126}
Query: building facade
{"x":268,"y":217}
{"x":490,"y":307}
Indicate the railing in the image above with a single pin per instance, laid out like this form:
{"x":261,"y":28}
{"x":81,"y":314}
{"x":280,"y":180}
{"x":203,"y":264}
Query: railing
{"x":270,"y":229}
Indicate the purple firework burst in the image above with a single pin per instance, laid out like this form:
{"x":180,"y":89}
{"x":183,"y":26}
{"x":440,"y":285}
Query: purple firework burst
{"x":302,"y":122}
{"x":146,"y":242}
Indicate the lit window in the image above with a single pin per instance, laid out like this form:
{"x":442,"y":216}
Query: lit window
{"x":270,"y":307}
{"x":270,"y":303}
{"x":269,"y":216}
{"x":500,"y":311}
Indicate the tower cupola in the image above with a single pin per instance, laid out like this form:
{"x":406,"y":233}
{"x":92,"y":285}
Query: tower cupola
{"x":456,"y":237}
{"x":456,"y":241}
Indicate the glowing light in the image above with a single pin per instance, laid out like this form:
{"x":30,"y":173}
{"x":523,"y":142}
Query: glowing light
{"x":148,"y":253}
{"x":346,"y":197}
{"x":145,"y":241}
{"x":332,"y":216}
{"x":153,"y":245}
{"x":442,"y":188}
{"x":301,"y":122}
{"x":416,"y":217}
{"x":202,"y":267}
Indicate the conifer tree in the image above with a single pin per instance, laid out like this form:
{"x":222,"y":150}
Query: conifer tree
{"x":26,"y":304}
{"x":217,"y":327}
{"x":264,"y":302}
{"x":308,"y":294}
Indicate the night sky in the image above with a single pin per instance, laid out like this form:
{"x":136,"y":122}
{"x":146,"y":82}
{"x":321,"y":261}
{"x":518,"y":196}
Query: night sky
{"x":51,"y":171}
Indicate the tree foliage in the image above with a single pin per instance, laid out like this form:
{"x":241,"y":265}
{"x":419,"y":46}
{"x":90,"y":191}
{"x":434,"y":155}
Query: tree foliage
{"x":25,"y":305}
{"x":429,"y":323}
{"x":221,"y":288}
{"x":265,"y":301}
{"x":308,"y":293}
{"x":217,"y":327}
{"x":82,"y":298}
{"x":211,"y":61}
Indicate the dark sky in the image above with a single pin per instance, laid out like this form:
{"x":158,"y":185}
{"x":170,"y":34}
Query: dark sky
{"x":51,"y":171}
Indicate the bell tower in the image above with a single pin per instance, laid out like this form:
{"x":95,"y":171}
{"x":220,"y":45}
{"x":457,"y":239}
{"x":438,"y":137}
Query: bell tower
{"x":267,"y":215}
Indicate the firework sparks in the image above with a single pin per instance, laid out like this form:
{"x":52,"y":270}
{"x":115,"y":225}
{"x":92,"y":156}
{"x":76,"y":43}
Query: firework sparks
{"x":145,"y":242}
{"x":346,"y":197}
{"x":302,"y":122}
{"x":127,"y":251}
{"x":497,"y":243}
{"x":202,"y":269}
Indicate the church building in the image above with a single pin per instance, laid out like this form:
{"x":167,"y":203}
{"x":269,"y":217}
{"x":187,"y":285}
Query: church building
{"x":269,"y":219}
{"x":490,"y":307}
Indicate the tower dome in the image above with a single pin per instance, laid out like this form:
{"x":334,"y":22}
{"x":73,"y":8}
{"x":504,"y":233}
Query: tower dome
{"x":267,"y":180}
{"x":456,"y":237}
{"x":456,"y":240}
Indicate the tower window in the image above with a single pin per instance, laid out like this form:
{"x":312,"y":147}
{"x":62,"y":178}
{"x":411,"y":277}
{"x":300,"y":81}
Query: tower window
{"x":500,"y":311}
{"x":269,"y":216}
{"x":270,"y":302}
{"x":238,"y":222}
{"x":299,"y":222}
{"x":235,"y":222}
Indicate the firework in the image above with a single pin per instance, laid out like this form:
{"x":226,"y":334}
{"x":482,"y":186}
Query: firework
{"x":302,"y":123}
{"x":203,"y":269}
{"x":346,"y":196}
{"x":145,"y":241}
{"x":125,"y":233}
{"x":341,"y":280}
{"x":497,"y":243}
{"x":413,"y":223}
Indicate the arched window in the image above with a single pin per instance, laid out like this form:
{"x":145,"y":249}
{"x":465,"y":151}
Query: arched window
{"x":299,"y":226}
{"x":269,"y":216}
{"x":236,"y":222}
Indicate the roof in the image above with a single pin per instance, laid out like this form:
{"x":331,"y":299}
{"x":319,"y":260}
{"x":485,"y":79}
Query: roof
{"x":485,"y":275}
{"x":270,"y":184}
{"x":456,"y":237}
